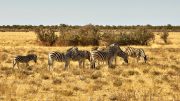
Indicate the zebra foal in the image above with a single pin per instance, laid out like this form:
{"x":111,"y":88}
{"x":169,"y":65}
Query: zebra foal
{"x":24,"y":59}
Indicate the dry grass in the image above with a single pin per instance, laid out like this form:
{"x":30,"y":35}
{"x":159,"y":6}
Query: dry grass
{"x":158,"y":80}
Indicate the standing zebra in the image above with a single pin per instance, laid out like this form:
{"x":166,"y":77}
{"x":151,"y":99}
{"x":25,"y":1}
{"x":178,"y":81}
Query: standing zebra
{"x":84,"y":54}
{"x":61,"y":57}
{"x":81,"y":56}
{"x":24,"y":59}
{"x":106,"y":55}
{"x":136,"y":53}
{"x":99,"y":49}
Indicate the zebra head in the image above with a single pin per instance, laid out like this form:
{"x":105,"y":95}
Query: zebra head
{"x":142,"y":54}
{"x":123,"y":55}
{"x":88,"y":55}
{"x":114,"y":48}
{"x":120,"y":53}
{"x":33,"y":57}
{"x":145,"y":58}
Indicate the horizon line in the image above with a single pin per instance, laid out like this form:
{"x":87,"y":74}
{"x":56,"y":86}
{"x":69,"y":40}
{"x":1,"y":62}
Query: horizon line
{"x":90,"y":24}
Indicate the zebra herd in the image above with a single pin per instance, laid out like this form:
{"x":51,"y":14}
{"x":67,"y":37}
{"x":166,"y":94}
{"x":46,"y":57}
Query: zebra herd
{"x":107,"y":55}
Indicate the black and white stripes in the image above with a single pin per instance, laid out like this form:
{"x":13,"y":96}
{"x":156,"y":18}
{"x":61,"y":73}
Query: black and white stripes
{"x":56,"y":56}
{"x":24,"y":59}
{"x":136,"y":53}
{"x":108,"y":55}
{"x":62,"y":57}
{"x":81,"y":56}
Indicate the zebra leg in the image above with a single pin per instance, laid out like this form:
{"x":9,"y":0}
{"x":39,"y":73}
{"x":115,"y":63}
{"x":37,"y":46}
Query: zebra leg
{"x":66,"y":65}
{"x":50,"y":64}
{"x":14,"y":63}
{"x":27,"y":64}
{"x":98,"y":63}
{"x":138,"y":58}
{"x":80,"y":64}
{"x":84,"y":64}
{"x":115,"y":60}
{"x":18,"y":65}
{"x":92,"y":64}
{"x":52,"y":67}
{"x":110,"y":62}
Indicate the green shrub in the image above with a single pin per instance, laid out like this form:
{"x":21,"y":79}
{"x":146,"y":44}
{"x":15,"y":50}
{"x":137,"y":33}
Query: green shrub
{"x":46,"y":36}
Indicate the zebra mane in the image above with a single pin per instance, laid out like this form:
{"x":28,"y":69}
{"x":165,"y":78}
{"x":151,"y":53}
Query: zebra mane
{"x":69,"y":49}
{"x":34,"y":55}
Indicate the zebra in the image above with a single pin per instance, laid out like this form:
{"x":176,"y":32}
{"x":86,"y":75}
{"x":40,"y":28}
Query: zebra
{"x":61,"y":57}
{"x":24,"y":59}
{"x":107,"y":55}
{"x":123,"y":55}
{"x":99,"y":49}
{"x":84,"y":54}
{"x":120,"y":53}
{"x":81,"y":56}
{"x":136,"y":53}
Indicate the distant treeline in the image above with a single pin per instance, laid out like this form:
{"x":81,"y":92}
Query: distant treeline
{"x":26,"y":28}
{"x":92,"y":35}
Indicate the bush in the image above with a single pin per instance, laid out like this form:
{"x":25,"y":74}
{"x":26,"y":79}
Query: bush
{"x":68,"y":39}
{"x":138,"y":37}
{"x":164,"y":36}
{"x":46,"y":36}
{"x":90,"y":35}
{"x":86,"y":35}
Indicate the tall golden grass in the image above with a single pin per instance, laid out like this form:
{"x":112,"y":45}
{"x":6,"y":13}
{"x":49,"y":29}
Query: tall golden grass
{"x":158,"y":80}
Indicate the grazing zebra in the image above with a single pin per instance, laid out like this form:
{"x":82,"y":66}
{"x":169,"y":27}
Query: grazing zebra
{"x":107,"y":55}
{"x":61,"y":57}
{"x":136,"y":53}
{"x":24,"y":59}
{"x":120,"y":53}
{"x":123,"y":55}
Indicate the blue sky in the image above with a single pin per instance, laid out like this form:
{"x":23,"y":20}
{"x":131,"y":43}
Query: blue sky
{"x":81,"y":12}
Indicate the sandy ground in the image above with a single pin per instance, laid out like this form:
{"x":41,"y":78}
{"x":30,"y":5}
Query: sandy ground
{"x":157,"y":80}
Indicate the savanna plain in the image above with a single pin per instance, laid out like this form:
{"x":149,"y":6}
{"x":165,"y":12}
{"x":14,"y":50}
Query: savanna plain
{"x":156,"y":80}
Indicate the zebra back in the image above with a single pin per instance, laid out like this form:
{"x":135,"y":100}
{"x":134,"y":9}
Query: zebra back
{"x":57,"y":56}
{"x":84,"y":54}
{"x":72,"y":53}
{"x":99,"y":55}
{"x":25,"y":59}
{"x":136,"y":52}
